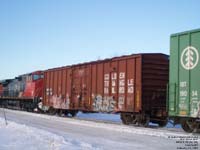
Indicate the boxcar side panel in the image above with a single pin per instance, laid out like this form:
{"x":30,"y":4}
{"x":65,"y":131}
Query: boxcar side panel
{"x":57,"y":91}
{"x":101,"y":91}
{"x":69,"y":104}
{"x":184,"y":76}
{"x":130,"y":77}
{"x":138,"y":84}
{"x":94,"y":85}
{"x":174,"y":73}
{"x":195,"y":77}
{"x":184,"y":87}
{"x":119,"y":78}
{"x":122,"y":85}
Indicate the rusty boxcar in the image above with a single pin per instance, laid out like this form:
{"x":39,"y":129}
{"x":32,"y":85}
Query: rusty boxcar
{"x":133,"y":85}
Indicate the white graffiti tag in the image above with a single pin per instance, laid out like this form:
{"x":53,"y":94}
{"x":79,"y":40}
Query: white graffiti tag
{"x":106,"y":104}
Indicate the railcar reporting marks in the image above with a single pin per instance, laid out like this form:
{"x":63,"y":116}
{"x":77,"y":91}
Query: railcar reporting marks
{"x":189,"y":58}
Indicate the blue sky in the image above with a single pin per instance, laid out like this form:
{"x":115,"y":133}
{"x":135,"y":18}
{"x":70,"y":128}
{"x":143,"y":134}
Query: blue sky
{"x":41,"y":34}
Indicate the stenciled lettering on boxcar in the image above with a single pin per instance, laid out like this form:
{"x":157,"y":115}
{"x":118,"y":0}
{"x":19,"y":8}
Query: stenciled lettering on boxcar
{"x":106,"y":83}
{"x":114,"y":82}
{"x":194,"y":100}
{"x":49,"y":91}
{"x":121,"y":102}
{"x":130,"y":85}
{"x":195,"y":104}
{"x":106,"y":104}
{"x":121,"y":82}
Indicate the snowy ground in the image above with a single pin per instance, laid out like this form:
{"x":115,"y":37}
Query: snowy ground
{"x":17,"y":137}
{"x":42,"y":132}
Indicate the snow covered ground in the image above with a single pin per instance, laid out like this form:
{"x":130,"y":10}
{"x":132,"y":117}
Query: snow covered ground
{"x":42,"y":132}
{"x":19,"y":136}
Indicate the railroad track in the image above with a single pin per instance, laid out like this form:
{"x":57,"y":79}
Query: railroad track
{"x":101,"y":121}
{"x":178,"y":130}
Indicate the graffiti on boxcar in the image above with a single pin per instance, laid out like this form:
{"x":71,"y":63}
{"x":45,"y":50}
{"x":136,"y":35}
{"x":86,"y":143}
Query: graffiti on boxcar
{"x":67,"y":102}
{"x":55,"y":101}
{"x":106,"y":104}
{"x":60,"y":101}
{"x":195,"y":107}
{"x":121,"y":102}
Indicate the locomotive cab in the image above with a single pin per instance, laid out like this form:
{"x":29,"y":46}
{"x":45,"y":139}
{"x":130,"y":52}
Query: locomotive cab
{"x":33,"y":86}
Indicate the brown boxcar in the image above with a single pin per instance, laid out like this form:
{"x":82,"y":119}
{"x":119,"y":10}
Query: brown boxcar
{"x":134,"y":85}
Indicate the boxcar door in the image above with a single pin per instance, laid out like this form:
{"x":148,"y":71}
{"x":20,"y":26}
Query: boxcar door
{"x":80,"y":87}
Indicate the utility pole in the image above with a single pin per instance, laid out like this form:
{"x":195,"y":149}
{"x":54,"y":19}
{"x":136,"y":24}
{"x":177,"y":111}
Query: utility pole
{"x":4,"y":113}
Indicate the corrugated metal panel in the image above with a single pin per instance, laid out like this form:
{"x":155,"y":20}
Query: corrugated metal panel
{"x":155,"y":73}
{"x":56,"y":92}
{"x":112,"y":87}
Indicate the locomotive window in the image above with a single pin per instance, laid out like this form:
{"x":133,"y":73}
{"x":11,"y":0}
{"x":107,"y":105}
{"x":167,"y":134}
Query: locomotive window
{"x":28,"y":78}
{"x":36,"y":77}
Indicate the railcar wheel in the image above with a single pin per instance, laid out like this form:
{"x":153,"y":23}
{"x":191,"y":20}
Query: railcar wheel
{"x":187,"y":126}
{"x":66,"y":113}
{"x":73,"y":113}
{"x":52,"y":111}
{"x":145,"y":122}
{"x":162,"y":123}
{"x":126,"y":118}
{"x":61,"y":113}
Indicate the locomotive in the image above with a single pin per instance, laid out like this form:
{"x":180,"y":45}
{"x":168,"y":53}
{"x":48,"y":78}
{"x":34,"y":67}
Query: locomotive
{"x":143,"y":88}
{"x":24,"y":92}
